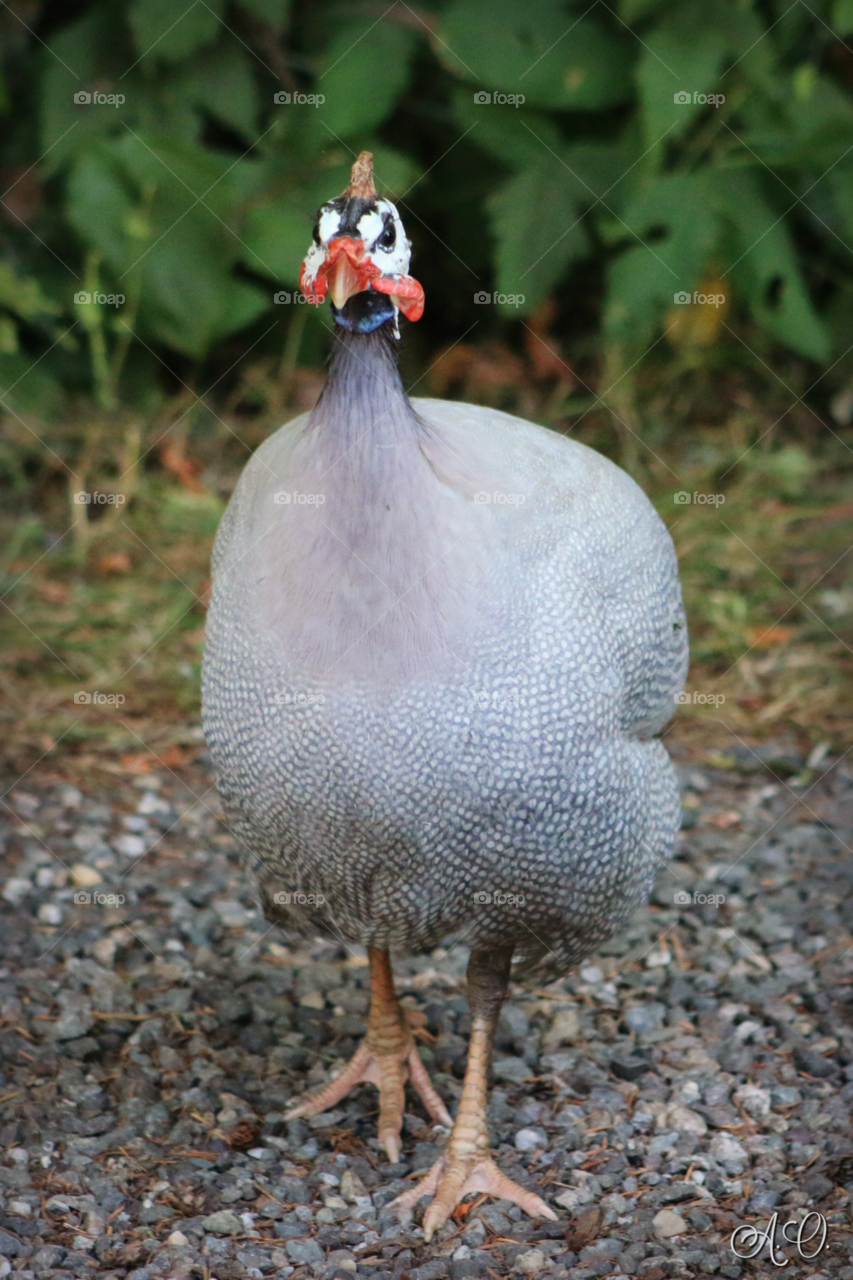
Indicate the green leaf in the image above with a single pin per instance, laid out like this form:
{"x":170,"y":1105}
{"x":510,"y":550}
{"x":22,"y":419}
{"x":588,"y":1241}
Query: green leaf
{"x":634,"y":10}
{"x":223,"y":84}
{"x":274,"y":12}
{"x":639,"y":292}
{"x":22,"y":295}
{"x":679,"y":66}
{"x":367,"y":68}
{"x":842,"y":17}
{"x":764,"y":266}
{"x":553,"y":60}
{"x":92,"y":51}
{"x":100,"y":205}
{"x":805,"y":134}
{"x":29,"y":389}
{"x":167,"y":31}
{"x":276,"y":238}
{"x":536,"y":228}
{"x":674,"y":231}
{"x":506,"y":135}
{"x":189,"y":297}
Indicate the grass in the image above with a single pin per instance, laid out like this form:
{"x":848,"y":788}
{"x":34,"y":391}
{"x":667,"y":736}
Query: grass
{"x":111,"y":598}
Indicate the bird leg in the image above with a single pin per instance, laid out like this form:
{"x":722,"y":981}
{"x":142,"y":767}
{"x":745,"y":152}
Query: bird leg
{"x":465,"y":1166}
{"x":386,"y":1057}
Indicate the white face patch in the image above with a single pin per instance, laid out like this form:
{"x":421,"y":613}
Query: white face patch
{"x":327,"y":224}
{"x":393,"y":261}
{"x":372,"y":226}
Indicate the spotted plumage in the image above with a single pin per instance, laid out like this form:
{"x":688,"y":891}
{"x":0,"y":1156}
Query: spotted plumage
{"x":434,"y":673}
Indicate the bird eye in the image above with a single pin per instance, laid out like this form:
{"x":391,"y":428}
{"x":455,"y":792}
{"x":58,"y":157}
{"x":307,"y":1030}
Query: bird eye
{"x":388,"y":238}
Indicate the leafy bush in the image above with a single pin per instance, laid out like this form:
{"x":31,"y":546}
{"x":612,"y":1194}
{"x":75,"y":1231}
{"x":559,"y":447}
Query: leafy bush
{"x":620,"y":155}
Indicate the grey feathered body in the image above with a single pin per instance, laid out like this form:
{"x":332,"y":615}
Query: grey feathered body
{"x":433,"y":675}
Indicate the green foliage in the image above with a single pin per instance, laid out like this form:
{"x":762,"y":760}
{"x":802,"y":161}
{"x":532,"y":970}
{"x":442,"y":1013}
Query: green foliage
{"x":179,"y":155}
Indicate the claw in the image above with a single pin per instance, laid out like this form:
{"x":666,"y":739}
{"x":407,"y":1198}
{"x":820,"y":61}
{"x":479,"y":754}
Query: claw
{"x":387,"y":1057}
{"x":453,"y":1177}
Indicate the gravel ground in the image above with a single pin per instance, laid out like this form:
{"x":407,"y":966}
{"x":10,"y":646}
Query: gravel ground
{"x":694,"y":1076}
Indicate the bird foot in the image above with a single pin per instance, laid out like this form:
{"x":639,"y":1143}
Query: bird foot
{"x":388,"y":1067}
{"x":455,"y":1176}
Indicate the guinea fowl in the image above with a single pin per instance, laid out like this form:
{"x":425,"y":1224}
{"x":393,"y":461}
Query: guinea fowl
{"x":440,"y":642}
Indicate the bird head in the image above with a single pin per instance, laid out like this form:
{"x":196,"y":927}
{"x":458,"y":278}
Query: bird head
{"x":360,"y":251}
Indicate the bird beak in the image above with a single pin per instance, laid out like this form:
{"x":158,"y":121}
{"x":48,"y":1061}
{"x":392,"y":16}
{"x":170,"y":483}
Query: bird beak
{"x":346,"y":269}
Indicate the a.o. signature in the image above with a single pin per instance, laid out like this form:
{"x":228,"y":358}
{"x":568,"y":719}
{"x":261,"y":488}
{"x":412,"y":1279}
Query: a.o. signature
{"x":807,"y":1236}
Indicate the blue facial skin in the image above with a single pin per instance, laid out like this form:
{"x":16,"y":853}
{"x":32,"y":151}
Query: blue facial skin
{"x":364,"y":312}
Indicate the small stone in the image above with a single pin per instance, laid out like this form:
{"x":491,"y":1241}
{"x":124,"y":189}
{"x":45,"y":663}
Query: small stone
{"x":629,"y":1066}
{"x":82,"y":874}
{"x":352,"y":1187}
{"x":668,"y":1223}
{"x":50,"y":913}
{"x":131,"y":846}
{"x":15,"y":889}
{"x":592,"y":974}
{"x":304,"y":1251}
{"x":313,"y":1000}
{"x":564,"y":1029}
{"x":531,"y":1262}
{"x":232,"y":914}
{"x":223,"y":1223}
{"x":515,"y":1070}
{"x":104,"y":951}
{"x":530,"y":1139}
{"x":730,"y":1153}
{"x":755,"y":1101}
{"x":76,"y":1017}
{"x":152,"y":803}
{"x":643,"y":1018}
{"x":177,"y":1240}
{"x":813,"y":1064}
{"x":684,"y":1120}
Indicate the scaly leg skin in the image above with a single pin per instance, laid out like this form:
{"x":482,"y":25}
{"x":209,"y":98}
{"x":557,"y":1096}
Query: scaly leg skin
{"x":386,"y":1057}
{"x":465,"y":1167}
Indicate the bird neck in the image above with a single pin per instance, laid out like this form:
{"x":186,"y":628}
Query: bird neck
{"x":364,"y":406}
{"x":371,"y":576}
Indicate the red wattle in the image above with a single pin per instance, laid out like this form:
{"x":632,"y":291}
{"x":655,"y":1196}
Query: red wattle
{"x":406,"y":290}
